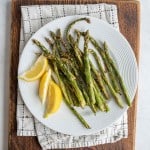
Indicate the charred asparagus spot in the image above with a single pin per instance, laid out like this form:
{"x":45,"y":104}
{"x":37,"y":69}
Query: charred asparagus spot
{"x":49,"y":42}
{"x":87,"y":70}
{"x":78,"y":37}
{"x":100,"y":81}
{"x":58,"y":33}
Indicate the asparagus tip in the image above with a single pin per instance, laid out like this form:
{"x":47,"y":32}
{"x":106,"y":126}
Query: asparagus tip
{"x":52,"y":33}
{"x":33,"y":40}
{"x":47,"y":39}
{"x":87,"y":20}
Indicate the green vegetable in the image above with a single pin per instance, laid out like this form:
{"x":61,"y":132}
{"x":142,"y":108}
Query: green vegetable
{"x":114,"y":94}
{"x":119,"y":78}
{"x":87,"y":71}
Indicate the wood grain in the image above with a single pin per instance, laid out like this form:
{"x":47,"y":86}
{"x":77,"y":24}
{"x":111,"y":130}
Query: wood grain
{"x":129,"y":21}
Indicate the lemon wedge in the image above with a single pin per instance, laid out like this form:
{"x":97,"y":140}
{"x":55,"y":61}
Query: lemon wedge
{"x":54,"y":99}
{"x":36,"y":71}
{"x":43,"y":87}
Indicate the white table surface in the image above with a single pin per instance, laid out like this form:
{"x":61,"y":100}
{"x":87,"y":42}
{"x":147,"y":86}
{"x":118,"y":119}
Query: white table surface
{"x":143,"y":111}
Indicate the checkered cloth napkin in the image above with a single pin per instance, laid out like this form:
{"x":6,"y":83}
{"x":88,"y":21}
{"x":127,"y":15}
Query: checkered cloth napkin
{"x":33,"y":18}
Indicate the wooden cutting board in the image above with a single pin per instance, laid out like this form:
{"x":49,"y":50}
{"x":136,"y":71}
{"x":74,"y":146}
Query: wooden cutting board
{"x":129,"y":21}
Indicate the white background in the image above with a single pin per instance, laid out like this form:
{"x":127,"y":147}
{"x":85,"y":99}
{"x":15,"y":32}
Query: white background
{"x":143,"y":111}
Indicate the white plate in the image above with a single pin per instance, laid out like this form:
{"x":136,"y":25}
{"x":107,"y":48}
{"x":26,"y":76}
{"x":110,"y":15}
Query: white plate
{"x":64,"y":121}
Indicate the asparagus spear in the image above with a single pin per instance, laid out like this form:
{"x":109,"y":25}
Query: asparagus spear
{"x":49,"y":42}
{"x":88,"y":102}
{"x":41,"y":46}
{"x":114,"y":94}
{"x":101,"y":101}
{"x":77,"y":52}
{"x":113,"y":78}
{"x":108,"y":66}
{"x":82,"y":120}
{"x":98,"y":100}
{"x":100,"y":81}
{"x":87,"y":70}
{"x":122,"y":85}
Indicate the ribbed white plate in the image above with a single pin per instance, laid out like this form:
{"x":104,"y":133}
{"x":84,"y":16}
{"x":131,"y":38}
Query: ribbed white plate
{"x":64,"y":121}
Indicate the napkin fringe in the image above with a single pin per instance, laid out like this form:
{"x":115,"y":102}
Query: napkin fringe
{"x":83,"y":144}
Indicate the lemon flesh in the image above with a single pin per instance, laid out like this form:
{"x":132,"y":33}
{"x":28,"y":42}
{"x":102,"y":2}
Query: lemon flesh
{"x":36,"y":71}
{"x":54,"y":99}
{"x":43,"y":86}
